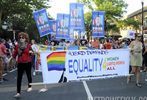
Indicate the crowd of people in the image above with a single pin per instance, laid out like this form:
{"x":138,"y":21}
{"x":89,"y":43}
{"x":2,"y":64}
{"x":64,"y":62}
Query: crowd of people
{"x":7,"y":63}
{"x":95,"y":43}
{"x":22,"y":54}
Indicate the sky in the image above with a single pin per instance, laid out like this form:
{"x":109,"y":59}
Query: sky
{"x":62,"y":6}
{"x":59,"y":6}
{"x":134,"y":5}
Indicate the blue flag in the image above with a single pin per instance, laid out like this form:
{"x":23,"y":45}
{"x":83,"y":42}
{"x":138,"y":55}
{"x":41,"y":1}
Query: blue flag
{"x":77,"y":17}
{"x":98,"y":18}
{"x":53,"y":26}
{"x":62,"y":26}
{"x":42,"y":22}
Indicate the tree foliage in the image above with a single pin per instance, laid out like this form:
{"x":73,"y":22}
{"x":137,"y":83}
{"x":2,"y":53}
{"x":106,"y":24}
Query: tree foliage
{"x":19,"y":12}
{"x":114,"y":10}
{"x":129,"y":22}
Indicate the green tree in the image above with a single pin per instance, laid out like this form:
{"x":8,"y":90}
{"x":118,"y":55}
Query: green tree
{"x":114,"y":10}
{"x":129,"y":22}
{"x":19,"y":12}
{"x":88,"y":22}
{"x":135,"y":24}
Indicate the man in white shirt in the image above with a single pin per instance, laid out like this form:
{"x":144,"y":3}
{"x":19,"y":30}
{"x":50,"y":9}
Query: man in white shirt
{"x":35,"y":49}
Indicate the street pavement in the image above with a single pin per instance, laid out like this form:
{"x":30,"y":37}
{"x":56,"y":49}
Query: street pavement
{"x":100,"y":89}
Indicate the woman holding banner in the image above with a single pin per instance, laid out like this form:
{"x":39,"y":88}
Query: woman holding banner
{"x":136,"y":59}
{"x":23,"y":52}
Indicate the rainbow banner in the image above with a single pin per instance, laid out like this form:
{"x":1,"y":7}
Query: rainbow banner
{"x":56,"y":61}
{"x":77,"y":65}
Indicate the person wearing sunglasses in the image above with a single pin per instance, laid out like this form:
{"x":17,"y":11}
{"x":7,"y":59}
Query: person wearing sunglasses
{"x":23,"y":52}
{"x":136,"y":59}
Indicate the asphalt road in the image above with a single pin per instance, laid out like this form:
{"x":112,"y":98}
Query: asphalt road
{"x":102,"y":89}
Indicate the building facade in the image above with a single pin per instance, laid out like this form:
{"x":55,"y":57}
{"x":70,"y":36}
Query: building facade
{"x":137,"y":15}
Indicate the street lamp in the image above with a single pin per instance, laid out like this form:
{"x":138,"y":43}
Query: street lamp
{"x":145,"y":25}
{"x":142,"y":15}
{"x":4,"y":26}
{"x":142,"y":25}
{"x":8,"y":27}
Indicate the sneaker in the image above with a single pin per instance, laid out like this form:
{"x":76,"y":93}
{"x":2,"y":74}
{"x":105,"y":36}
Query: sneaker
{"x":144,"y":70}
{"x":29,"y":89}
{"x":5,"y":79}
{"x":138,"y":85}
{"x":34,"y":73}
{"x":17,"y":95}
{"x":1,"y":80}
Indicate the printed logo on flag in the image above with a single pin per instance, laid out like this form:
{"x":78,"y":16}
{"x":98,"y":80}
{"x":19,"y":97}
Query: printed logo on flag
{"x":42,"y":22}
{"x":53,"y":25}
{"x":77,"y":16}
{"x":56,"y":61}
{"x":98,"y":24}
{"x":131,"y":33}
{"x":62,"y":26}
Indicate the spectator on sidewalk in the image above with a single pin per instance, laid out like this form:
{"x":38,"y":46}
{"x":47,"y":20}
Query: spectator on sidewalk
{"x":3,"y":53}
{"x":23,"y":51}
{"x":136,"y":59}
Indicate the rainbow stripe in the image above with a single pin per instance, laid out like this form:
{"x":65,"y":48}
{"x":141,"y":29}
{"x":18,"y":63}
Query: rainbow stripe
{"x":56,"y":61}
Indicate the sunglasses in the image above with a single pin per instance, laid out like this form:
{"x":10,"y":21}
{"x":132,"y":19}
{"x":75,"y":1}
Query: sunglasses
{"x":22,"y":37}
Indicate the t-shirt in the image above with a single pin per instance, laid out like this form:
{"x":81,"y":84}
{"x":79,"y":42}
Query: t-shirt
{"x":3,"y":50}
{"x":95,"y":44}
{"x":108,"y":45}
{"x":35,"y":48}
